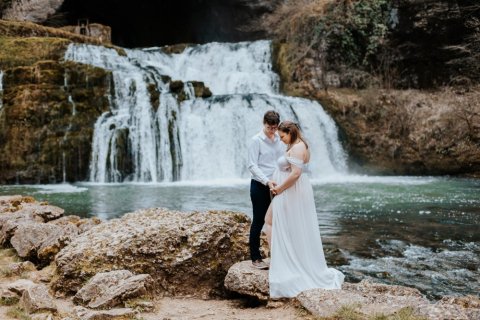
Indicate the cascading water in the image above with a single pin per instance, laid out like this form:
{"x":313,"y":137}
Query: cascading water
{"x":1,"y":89}
{"x":196,"y":139}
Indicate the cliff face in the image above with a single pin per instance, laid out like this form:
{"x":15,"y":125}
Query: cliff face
{"x":430,"y":44}
{"x":48,"y":111}
{"x":435,"y":42}
{"x":152,"y":23}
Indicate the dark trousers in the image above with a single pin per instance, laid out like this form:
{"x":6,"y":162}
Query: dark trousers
{"x":260,"y":196}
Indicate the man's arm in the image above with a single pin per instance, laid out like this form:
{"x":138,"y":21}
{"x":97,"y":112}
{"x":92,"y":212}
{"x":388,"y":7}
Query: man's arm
{"x":253,"y":154}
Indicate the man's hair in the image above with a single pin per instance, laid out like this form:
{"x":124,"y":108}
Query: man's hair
{"x":271,"y":118}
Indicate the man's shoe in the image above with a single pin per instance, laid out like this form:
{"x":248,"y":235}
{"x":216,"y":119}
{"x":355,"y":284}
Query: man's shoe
{"x":260,"y":264}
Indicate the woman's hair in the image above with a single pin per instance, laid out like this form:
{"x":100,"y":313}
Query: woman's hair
{"x":292,"y":128}
{"x":271,"y":118}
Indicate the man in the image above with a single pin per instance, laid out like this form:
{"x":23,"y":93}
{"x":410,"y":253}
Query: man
{"x":264,"y":150}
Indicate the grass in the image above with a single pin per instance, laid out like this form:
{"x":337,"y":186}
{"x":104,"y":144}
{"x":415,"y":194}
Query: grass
{"x":8,"y":301}
{"x":27,"y":51}
{"x":18,"y":313}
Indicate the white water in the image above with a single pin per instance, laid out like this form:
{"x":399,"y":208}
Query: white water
{"x":198,"y":139}
{"x":1,"y":89}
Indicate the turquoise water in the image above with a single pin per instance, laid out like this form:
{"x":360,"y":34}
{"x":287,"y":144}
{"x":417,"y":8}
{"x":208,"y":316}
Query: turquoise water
{"x":415,"y":231}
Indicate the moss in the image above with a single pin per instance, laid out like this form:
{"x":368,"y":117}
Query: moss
{"x":27,"y":51}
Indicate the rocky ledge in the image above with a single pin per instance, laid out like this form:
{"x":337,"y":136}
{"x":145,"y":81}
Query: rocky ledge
{"x":366,"y":297}
{"x":121,"y":268}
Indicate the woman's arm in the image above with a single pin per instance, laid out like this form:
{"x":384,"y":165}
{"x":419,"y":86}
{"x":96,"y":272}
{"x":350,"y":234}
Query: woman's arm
{"x":298,"y":152}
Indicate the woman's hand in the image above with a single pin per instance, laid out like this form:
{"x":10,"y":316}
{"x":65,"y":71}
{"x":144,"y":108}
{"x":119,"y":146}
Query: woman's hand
{"x":276,"y":190}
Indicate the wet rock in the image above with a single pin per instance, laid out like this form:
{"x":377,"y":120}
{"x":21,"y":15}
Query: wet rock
{"x":36,"y":298}
{"x":185,"y":253}
{"x":243,"y":278}
{"x":201,"y":91}
{"x":111,"y":289}
{"x":120,"y":313}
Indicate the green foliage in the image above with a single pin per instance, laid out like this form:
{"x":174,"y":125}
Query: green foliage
{"x":354,"y":32}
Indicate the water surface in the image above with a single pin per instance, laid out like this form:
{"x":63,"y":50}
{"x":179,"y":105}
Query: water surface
{"x":420,"y":232}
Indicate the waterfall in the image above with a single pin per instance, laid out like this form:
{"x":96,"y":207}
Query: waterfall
{"x":194,"y":139}
{"x":1,"y":89}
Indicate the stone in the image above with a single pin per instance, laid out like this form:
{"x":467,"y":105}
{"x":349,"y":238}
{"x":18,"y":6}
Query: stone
{"x":243,"y":278}
{"x":36,"y":298}
{"x":184,"y":253}
{"x":17,"y":268}
{"x":325,"y":303}
{"x":119,"y":313}
{"x":56,"y":240}
{"x":42,"y":316}
{"x":29,"y":237}
{"x":110,"y":289}
{"x":10,"y":222}
{"x":20,"y":286}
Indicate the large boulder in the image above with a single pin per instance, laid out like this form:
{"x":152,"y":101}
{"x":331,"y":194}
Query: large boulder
{"x":185,"y":253}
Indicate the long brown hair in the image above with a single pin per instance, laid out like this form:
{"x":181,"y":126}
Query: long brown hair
{"x":292,"y":128}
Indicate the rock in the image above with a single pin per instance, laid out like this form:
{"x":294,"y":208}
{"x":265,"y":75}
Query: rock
{"x":36,"y":298}
{"x":374,"y":298}
{"x":110,"y":289}
{"x":185,"y":253}
{"x":11,"y":203}
{"x":44,"y":211}
{"x":44,"y":275}
{"x":325,"y":303}
{"x":30,"y":236}
{"x":120,"y":313}
{"x":20,"y":286}
{"x":18,"y":268}
{"x":243,"y":278}
{"x":143,"y":306}
{"x":56,"y":240}
{"x":10,"y":222}
{"x":42,"y":316}
{"x":367,"y":287}
{"x":31,"y":10}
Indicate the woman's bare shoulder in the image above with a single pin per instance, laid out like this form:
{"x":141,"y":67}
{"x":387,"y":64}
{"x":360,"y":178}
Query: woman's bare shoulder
{"x":298,"y":150}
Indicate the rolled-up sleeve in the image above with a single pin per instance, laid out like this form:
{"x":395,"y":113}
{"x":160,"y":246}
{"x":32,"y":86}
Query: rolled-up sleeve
{"x":253,"y":155}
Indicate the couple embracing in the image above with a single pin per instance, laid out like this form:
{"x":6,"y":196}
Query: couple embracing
{"x":278,"y":159}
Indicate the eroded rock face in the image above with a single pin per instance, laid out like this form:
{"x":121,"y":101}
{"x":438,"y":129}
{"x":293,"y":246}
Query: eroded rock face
{"x":185,"y":253}
{"x":31,"y":10}
{"x":47,"y":127}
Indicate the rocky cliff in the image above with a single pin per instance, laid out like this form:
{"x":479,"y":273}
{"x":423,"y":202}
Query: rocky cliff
{"x":48,"y":110}
{"x":389,"y":123}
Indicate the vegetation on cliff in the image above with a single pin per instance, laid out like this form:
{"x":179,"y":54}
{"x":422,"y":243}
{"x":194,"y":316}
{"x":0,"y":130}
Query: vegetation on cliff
{"x":391,"y":43}
{"x":49,"y":106}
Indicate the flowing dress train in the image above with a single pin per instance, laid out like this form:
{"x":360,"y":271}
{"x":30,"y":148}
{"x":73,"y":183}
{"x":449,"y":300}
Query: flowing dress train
{"x":297,"y":259}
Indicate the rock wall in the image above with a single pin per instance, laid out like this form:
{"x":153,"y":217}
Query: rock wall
{"x":48,"y":111}
{"x":408,"y":132}
{"x":31,"y":10}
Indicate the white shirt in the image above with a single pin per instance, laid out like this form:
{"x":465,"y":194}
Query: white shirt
{"x":262,"y":156}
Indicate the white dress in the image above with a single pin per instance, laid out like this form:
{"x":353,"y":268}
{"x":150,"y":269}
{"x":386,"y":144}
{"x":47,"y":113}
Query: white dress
{"x":297,"y":260}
